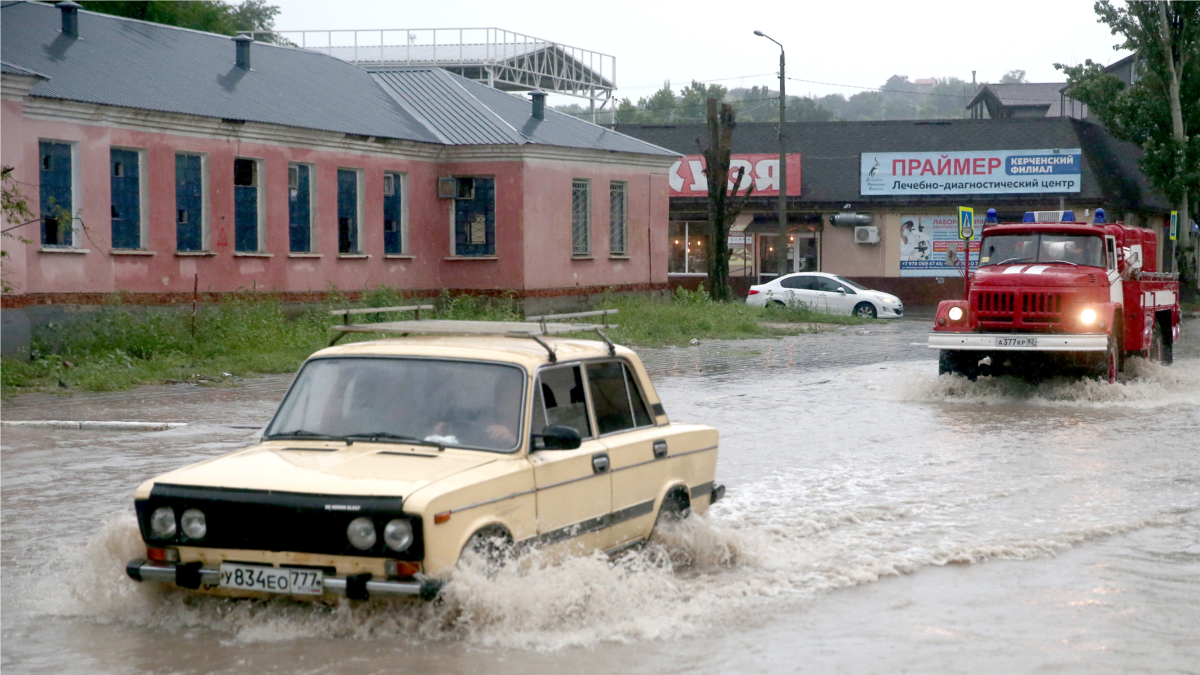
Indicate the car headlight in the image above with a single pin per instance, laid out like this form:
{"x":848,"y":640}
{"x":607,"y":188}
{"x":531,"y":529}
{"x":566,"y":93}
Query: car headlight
{"x":955,"y":313}
{"x":361,"y":533}
{"x":193,"y":524}
{"x":162,"y":522}
{"x":1088,"y":316}
{"x":398,"y":534}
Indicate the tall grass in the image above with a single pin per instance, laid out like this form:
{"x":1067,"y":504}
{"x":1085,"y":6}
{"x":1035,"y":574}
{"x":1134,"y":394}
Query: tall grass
{"x":117,"y":346}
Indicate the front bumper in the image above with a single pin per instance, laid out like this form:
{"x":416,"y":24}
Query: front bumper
{"x":1003,"y":342}
{"x":353,"y":586}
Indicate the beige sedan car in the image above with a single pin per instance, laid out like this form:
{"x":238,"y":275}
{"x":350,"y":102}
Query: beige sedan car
{"x":388,"y":459}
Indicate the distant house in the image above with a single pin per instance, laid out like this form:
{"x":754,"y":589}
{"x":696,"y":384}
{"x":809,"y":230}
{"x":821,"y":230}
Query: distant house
{"x":1025,"y":99}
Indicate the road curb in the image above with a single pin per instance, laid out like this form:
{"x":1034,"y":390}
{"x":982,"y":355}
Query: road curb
{"x":92,"y":426}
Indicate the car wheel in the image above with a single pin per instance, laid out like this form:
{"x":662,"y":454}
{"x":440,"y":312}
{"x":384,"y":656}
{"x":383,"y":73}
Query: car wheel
{"x":493,"y":545}
{"x":777,"y":303}
{"x":865,"y":310}
{"x":676,"y":506}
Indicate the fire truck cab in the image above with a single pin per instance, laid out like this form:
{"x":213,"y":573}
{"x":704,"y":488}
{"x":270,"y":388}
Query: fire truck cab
{"x":1058,"y":297}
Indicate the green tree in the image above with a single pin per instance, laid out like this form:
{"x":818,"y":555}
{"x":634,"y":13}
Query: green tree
{"x":206,"y":15}
{"x":1013,"y":77}
{"x":661,"y":106}
{"x":16,"y":215}
{"x":693,"y":99}
{"x":1161,"y":110}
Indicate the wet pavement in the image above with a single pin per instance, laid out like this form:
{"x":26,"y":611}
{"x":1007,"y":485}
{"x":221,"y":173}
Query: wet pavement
{"x":880,"y":518}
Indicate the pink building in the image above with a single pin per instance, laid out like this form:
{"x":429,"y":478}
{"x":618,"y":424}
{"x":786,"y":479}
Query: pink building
{"x":160,"y":158}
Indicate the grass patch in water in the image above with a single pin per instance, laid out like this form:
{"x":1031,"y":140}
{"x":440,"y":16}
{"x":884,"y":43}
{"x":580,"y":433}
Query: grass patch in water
{"x":118,"y":347}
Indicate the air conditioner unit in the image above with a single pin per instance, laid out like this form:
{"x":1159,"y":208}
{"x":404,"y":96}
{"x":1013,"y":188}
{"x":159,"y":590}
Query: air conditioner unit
{"x":452,"y":187}
{"x":389,"y":184}
{"x":868,"y":234}
{"x":293,"y":178}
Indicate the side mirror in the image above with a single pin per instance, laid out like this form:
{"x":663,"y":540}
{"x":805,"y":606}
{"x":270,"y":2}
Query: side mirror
{"x":559,"y":437}
{"x":841,"y":290}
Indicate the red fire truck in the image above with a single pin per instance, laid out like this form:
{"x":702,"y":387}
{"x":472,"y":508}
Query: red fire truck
{"x":1057,"y":297}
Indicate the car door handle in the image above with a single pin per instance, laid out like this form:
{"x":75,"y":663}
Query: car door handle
{"x":599,"y":462}
{"x":660,"y":449}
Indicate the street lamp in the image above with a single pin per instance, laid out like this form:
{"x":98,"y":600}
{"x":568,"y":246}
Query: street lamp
{"x":781,"y":252}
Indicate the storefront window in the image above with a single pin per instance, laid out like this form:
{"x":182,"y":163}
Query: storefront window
{"x":689,"y":244}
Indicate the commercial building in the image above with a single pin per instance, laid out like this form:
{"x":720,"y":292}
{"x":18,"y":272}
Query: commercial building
{"x":877,"y":201}
{"x":162,"y":159}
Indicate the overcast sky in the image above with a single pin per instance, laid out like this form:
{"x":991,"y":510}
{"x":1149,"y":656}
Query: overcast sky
{"x":843,"y":42}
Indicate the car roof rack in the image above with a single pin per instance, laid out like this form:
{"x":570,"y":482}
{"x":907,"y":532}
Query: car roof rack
{"x":534,"y":327}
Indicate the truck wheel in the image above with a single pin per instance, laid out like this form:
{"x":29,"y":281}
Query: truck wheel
{"x":952,"y":362}
{"x":1156,"y":344}
{"x":1106,"y":369}
{"x":865,"y":310}
{"x":1168,"y":355}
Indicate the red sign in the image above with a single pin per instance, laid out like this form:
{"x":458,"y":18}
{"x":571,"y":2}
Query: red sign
{"x":762,"y":172}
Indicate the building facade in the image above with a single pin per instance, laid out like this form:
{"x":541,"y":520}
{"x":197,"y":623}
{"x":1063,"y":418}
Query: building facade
{"x":163,"y":161}
{"x":878,"y":200}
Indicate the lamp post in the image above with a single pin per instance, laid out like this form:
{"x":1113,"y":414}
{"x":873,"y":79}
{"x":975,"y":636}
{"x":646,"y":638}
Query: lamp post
{"x":781,"y":245}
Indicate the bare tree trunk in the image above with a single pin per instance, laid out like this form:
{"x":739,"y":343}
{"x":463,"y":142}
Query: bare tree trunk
{"x":1183,"y":244}
{"x":723,"y":209}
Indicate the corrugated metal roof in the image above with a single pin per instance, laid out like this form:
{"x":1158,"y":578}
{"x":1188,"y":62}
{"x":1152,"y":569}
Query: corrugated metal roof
{"x":463,"y":112}
{"x":12,"y":69}
{"x":831,"y":152}
{"x":135,"y":64}
{"x":1022,"y":93}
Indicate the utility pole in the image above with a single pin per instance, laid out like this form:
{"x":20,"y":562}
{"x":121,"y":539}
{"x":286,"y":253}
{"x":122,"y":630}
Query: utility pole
{"x":782,"y":243}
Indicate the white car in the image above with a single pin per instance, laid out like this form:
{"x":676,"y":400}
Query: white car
{"x":826,"y":293}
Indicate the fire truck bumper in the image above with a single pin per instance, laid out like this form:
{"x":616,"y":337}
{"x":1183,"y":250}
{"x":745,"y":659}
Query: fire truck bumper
{"x":1016,"y":342}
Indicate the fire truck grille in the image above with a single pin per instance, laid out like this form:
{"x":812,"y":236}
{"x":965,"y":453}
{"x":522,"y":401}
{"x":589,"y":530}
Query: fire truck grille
{"x":995,"y":306}
{"x":1010,"y":309}
{"x":1041,"y":307}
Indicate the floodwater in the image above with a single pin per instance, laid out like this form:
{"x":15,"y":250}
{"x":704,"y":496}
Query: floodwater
{"x":879,"y":518}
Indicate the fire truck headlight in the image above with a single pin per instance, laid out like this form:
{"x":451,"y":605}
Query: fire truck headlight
{"x":955,"y":313}
{"x":1088,"y":316}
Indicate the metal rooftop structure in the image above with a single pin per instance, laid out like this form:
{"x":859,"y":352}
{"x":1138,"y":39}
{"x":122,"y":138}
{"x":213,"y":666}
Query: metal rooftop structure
{"x":499,"y":58}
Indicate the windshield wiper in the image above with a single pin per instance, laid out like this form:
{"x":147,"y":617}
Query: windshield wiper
{"x":1065,"y":262}
{"x":1010,"y":260}
{"x":304,"y":434}
{"x":389,"y":437}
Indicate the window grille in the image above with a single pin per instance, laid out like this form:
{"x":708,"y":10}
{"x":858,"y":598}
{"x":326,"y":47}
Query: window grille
{"x":580,"y":218}
{"x":617,"y":219}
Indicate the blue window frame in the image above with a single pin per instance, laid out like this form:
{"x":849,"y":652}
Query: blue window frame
{"x":393,"y":214}
{"x":55,"y":186}
{"x":245,"y":205}
{"x":189,"y":203}
{"x":125,"y":177}
{"x":475,"y":219}
{"x":300,"y":208}
{"x":347,"y":208}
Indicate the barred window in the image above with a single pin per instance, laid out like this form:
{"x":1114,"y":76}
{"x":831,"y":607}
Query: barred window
{"x":617,"y":219}
{"x":581,"y":210}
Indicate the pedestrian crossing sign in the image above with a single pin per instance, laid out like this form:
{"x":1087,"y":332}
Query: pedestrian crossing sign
{"x":966,"y":222}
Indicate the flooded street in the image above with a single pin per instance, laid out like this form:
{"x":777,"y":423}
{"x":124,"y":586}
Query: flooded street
{"x":879,"y":518}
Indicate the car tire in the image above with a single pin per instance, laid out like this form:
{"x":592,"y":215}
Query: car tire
{"x":676,"y":506}
{"x":865,"y":310}
{"x":778,"y":303}
{"x":493,"y":545}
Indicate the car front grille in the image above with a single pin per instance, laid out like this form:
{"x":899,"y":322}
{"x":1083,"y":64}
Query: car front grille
{"x":263,"y":520}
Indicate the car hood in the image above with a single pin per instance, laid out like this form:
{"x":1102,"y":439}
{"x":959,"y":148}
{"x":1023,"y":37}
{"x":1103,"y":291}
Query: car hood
{"x":363,"y":469}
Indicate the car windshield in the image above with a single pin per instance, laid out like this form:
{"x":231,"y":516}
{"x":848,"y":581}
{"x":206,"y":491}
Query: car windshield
{"x":1074,"y":249}
{"x":849,"y":283}
{"x":466,"y":404}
